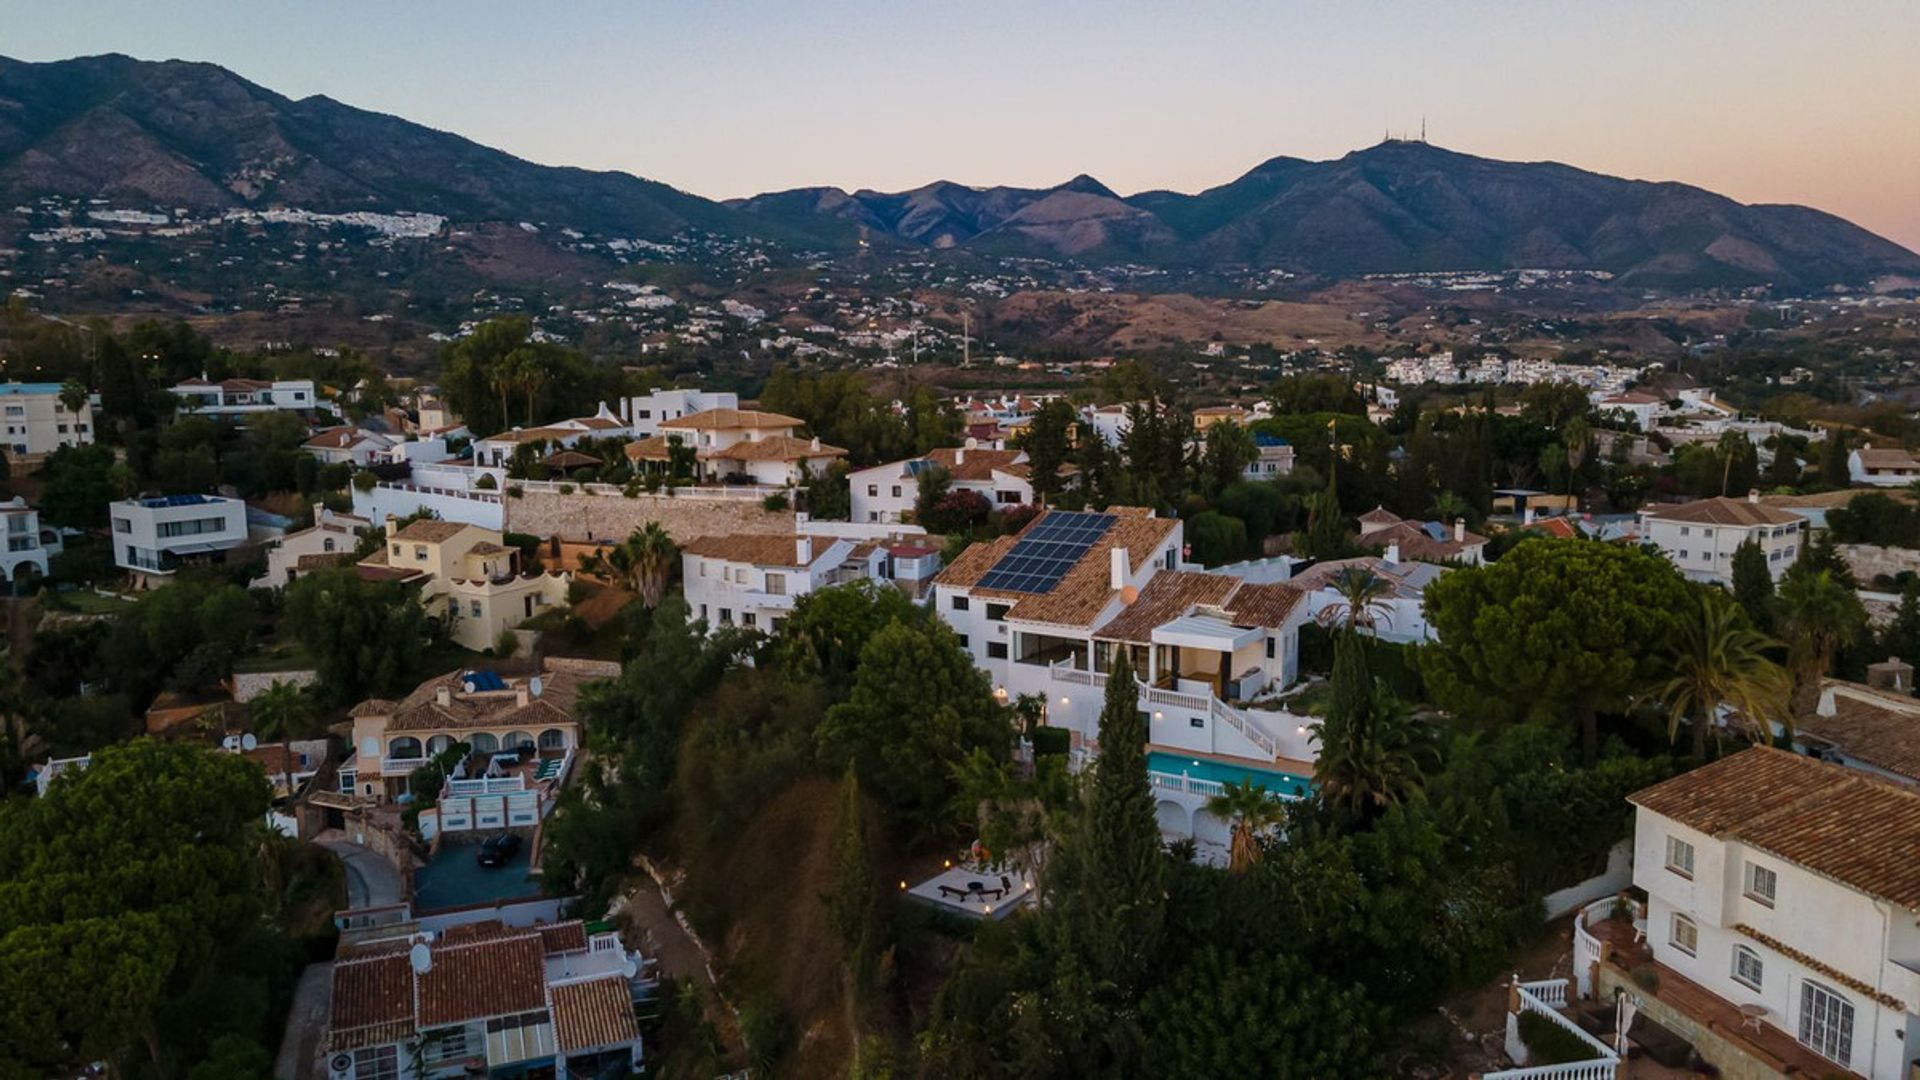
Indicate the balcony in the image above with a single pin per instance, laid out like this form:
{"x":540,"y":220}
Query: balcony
{"x":400,"y":766}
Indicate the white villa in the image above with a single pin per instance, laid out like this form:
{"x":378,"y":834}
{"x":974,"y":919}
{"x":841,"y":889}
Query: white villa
{"x":153,"y":537}
{"x":1783,"y":918}
{"x":886,"y":493}
{"x":498,"y":450}
{"x":1275,"y":458}
{"x":1048,"y":611}
{"x":239,"y":397}
{"x":328,"y":542}
{"x":646,"y":412}
{"x":1700,"y":537}
{"x":29,"y":545}
{"x":1894,"y":467}
{"x":350,"y":446}
{"x":738,"y":445}
{"x":38,"y":422}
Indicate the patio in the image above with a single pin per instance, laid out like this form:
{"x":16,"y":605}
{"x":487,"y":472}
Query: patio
{"x":1713,"y":1024}
{"x":975,"y":893}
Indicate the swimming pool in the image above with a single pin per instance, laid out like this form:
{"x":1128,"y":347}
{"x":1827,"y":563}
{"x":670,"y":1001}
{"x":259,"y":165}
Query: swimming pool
{"x":1197,"y":768}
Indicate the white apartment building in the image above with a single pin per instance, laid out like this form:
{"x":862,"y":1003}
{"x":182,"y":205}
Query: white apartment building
{"x":1700,"y":537}
{"x":645,"y":412}
{"x":37,"y":422}
{"x":1893,"y":467}
{"x":239,"y":397}
{"x":154,"y":537}
{"x":886,"y":493}
{"x":1787,"y":888}
{"x":29,"y":545}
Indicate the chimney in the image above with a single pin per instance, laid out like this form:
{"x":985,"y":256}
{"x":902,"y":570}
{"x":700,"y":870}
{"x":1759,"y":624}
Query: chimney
{"x":816,"y":442}
{"x":443,"y":695}
{"x":1528,"y":519}
{"x":1753,"y":495}
{"x":1119,"y":564}
{"x":1825,"y":708}
{"x":1459,"y":530}
{"x":960,"y":455}
{"x":1895,"y":676}
{"x":1393,"y":554}
{"x":520,"y":696}
{"x":803,"y":549}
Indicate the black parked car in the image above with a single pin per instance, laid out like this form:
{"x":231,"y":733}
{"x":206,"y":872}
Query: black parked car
{"x":498,"y":850}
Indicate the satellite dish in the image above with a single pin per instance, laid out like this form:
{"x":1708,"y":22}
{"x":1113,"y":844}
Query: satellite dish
{"x":534,"y":686}
{"x":629,"y":968}
{"x":469,"y":686}
{"x":231,"y":742}
{"x":421,"y":957}
{"x":248,"y":742}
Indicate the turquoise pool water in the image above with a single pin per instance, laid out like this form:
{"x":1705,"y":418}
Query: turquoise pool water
{"x":1280,"y":783}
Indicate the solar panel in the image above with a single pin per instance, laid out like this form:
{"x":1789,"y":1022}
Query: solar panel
{"x":1046,"y":551}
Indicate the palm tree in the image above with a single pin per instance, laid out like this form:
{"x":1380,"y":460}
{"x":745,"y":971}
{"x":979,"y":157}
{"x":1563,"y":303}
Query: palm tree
{"x":501,"y":379}
{"x":1447,"y":507}
{"x":1371,"y":760}
{"x":1718,"y":658}
{"x":1363,"y":594}
{"x":1819,"y":616}
{"x":1577,"y":437}
{"x":1252,"y":811}
{"x":643,"y":562}
{"x":529,"y":375}
{"x":1732,"y":444}
{"x":73,"y":395}
{"x":281,"y":711}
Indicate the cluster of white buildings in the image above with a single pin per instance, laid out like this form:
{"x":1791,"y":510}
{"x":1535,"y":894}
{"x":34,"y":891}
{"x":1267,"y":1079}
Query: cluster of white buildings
{"x":1443,"y":369}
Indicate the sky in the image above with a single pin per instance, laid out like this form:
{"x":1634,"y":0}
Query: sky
{"x":1813,"y":103}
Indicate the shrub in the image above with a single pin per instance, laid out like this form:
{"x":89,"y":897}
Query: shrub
{"x":364,"y":481}
{"x":507,"y":645}
{"x":1646,"y":978}
{"x":486,"y":482}
{"x":513,"y":491}
{"x":1550,"y":1044}
{"x":775,"y":502}
{"x":566,"y":489}
{"x":1051,"y":741}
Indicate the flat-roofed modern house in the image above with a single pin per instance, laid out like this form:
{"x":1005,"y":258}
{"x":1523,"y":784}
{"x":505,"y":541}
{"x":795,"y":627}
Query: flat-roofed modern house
{"x":1883,"y":466}
{"x":646,"y":412}
{"x":240,"y":397}
{"x":426,"y":1001}
{"x":38,"y":422}
{"x":1781,"y":932}
{"x":154,"y":537}
{"x":1699,"y":537}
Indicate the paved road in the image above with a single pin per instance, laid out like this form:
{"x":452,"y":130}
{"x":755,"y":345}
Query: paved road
{"x":371,"y":879}
{"x":299,"y":1057}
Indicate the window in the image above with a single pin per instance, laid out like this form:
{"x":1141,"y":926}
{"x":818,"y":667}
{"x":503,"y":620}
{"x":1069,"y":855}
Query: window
{"x":419,"y":553}
{"x":996,"y":650}
{"x":1683,"y":553}
{"x":376,"y":1063}
{"x":1826,"y":1022}
{"x":326,"y":543}
{"x":474,"y":607}
{"x":1270,"y":648}
{"x":703,"y":568}
{"x":997,"y":612}
{"x":122,"y":525}
{"x":963,"y":641}
{"x":1685,"y":531}
{"x":1762,"y":884}
{"x":726,"y":616}
{"x":959,"y":603}
{"x":896,"y":491}
{"x":747,"y":618}
{"x":1197,"y":721}
{"x":873,"y":491}
{"x":777,"y":584}
{"x":1680,"y":856}
{"x":1685,"y":935}
{"x":1747,"y":968}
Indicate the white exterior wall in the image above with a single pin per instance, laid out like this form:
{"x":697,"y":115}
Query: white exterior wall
{"x":1839,"y":927}
{"x":1892,"y":478}
{"x":472,"y":507}
{"x":291,"y":395}
{"x":35,"y":421}
{"x":725,"y":592}
{"x":646,"y":411}
{"x":1705,"y":552}
{"x":1274,"y":461}
{"x":136,"y":529}
{"x":882,"y":493}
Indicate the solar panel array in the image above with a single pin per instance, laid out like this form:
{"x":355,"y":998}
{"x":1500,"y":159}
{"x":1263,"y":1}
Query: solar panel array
{"x":1046,"y":551}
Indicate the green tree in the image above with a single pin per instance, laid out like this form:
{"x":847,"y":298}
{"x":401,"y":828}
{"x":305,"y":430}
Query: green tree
{"x":830,"y":628}
{"x":1371,"y":757}
{"x":1251,"y":810}
{"x":1048,"y":441}
{"x":1554,"y":628}
{"x":1228,"y":450}
{"x":643,"y":562}
{"x":77,"y":483}
{"x":1270,"y":1014}
{"x":1818,"y":616}
{"x":365,"y":637}
{"x":1216,"y":538}
{"x":1902,"y":638}
{"x":283,"y":711}
{"x":1835,"y":471}
{"x":1717,"y":658}
{"x":918,"y":706}
{"x":1753,"y":583}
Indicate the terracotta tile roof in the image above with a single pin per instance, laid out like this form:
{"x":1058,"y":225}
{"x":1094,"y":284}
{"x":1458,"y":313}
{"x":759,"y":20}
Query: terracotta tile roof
{"x":759,"y":549}
{"x":1872,"y":726}
{"x":1268,"y":605}
{"x":428,"y":530}
{"x":1887,"y":459}
{"x":595,"y":1013}
{"x":1557,"y":527}
{"x":322,"y":560}
{"x":1167,"y":596}
{"x":725,"y":419}
{"x":421,"y":710}
{"x":1380,"y":515}
{"x":372,"y":1000}
{"x":775,"y":448}
{"x":478,"y":979}
{"x":651,"y":448}
{"x":1086,"y":589}
{"x":338,"y":438}
{"x":978,"y":464}
{"x":1724,"y":511}
{"x":564,"y":937}
{"x":1807,"y":812}
{"x":1416,"y":543}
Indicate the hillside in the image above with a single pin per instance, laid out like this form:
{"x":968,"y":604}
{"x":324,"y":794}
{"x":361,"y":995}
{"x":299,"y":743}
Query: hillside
{"x":144,"y":146}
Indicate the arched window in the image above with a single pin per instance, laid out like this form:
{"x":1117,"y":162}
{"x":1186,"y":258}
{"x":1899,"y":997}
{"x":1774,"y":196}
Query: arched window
{"x":484,"y":742}
{"x":553,"y":739}
{"x":439,"y":744}
{"x":517,"y":739}
{"x":326,"y":543}
{"x":403,"y":748}
{"x":1747,"y":967}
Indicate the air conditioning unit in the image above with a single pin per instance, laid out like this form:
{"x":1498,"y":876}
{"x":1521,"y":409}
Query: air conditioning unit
{"x":340,"y":1067}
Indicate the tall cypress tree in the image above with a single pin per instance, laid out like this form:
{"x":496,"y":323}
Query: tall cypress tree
{"x":1753,"y":584}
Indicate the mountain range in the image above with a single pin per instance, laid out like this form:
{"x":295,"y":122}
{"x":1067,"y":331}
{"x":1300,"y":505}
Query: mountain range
{"x":196,"y":136}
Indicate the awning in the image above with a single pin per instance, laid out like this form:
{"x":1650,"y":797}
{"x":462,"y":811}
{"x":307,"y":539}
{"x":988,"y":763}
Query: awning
{"x":198,"y":549}
{"x":1203,"y":632}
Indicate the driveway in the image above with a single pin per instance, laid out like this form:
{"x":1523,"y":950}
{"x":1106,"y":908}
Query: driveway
{"x":299,"y":1057}
{"x":371,"y":879}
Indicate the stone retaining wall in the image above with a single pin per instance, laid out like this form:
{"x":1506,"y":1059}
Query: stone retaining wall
{"x":581,"y":517}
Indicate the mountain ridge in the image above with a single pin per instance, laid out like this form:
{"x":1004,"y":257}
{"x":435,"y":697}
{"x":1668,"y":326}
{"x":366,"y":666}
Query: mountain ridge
{"x":191,"y":134}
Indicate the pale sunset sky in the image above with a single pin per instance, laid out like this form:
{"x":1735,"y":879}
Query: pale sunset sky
{"x":1814,"y":103}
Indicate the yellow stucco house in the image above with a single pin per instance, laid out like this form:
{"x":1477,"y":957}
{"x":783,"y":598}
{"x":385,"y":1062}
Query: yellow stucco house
{"x":469,"y":578}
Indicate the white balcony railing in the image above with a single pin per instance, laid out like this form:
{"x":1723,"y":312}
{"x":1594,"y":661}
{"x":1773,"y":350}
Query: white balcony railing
{"x":1185,"y":785}
{"x":1064,"y":671}
{"x":1586,"y":947}
{"x":1547,"y":998}
{"x":400,"y":766}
